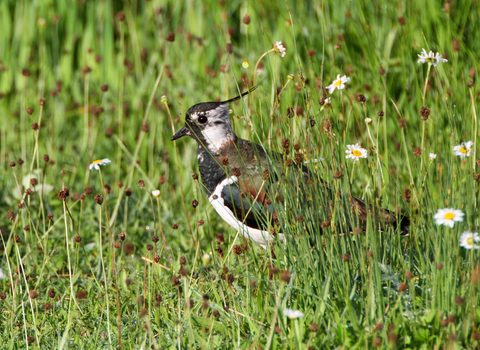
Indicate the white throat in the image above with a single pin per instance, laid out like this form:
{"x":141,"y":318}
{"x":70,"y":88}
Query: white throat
{"x":217,"y":136}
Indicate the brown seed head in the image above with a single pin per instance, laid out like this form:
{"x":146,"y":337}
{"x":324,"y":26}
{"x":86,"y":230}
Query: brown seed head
{"x":98,"y":199}
{"x":118,"y":245}
{"x":78,"y":239}
{"x":325,"y":224}
{"x":141,"y":184}
{"x":155,"y":239}
{"x":42,"y":102}
{"x":170,"y":37}
{"x":175,"y":226}
{"x":236,"y":172}
{"x":33,"y":294}
{"x":195,"y":176}
{"x":381,"y":71}
{"x":63,"y":194}
{"x":107,"y":188}
{"x":403,"y":287}
{"x":145,"y":128}
{"x":401,"y":20}
{"x":149,"y":247}
{"x":456,"y":45}
{"x":86,"y":70}
{"x":407,"y":195}
{"x":50,"y":216}
{"x":183,"y":271}
{"x":12,"y":164}
{"x":346,"y":257}
{"x":327,"y":126}
{"x":11,"y":215}
{"x":470,"y":83}
{"x":440,"y":266}
{"x":30,"y":111}
{"x":128,"y":248}
{"x":237,"y":249}
{"x":224,"y":161}
{"x":401,"y":122}
{"x":121,"y":236}
{"x":381,"y":114}
{"x":361,"y":98}
{"x":246,"y":19}
{"x":156,"y":258}
{"x":285,"y":276}
{"x":338,"y":175}
{"x":195,"y":203}
{"x":183,"y":260}
{"x":104,"y":88}
{"x":312,"y":123}
{"x":298,"y":158}
{"x":409,"y":275}
{"x":425,"y":112}
{"x":472,"y":72}
{"x":285,"y":143}
{"x":175,"y":281}
{"x":290,"y":112}
{"x":369,"y":254}
{"x":121,"y":16}
{"x":128,"y":192}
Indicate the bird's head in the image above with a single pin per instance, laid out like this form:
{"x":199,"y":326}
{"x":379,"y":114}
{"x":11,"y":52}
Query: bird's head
{"x":209,"y":124}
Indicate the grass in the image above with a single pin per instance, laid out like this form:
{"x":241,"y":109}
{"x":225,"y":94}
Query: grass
{"x":103,"y":68}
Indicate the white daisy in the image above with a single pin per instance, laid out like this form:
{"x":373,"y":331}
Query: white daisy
{"x":448,"y":216}
{"x":432,"y":156}
{"x":356,"y":152}
{"x":468,"y":240}
{"x":95,"y":164}
{"x":279,"y":48}
{"x":156,"y":193}
{"x":328,"y":101}
{"x":463,"y":149}
{"x":338,"y":83}
{"x":293,"y":313}
{"x":431,"y":58}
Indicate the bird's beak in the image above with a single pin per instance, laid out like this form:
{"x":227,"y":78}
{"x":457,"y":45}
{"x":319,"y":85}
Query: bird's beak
{"x":183,"y":132}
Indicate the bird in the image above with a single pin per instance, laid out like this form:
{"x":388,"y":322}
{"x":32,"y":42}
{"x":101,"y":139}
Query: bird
{"x":244,"y":181}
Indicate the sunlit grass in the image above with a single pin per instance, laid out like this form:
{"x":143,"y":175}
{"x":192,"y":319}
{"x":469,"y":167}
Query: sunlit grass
{"x":90,"y":255}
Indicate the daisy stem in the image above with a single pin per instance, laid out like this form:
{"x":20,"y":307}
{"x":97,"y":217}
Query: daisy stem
{"x":258,"y":62}
{"x":351,"y":175}
{"x":422,"y":146}
{"x":426,"y":82}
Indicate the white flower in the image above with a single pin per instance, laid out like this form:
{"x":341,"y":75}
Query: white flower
{"x":338,"y":83}
{"x":2,"y":275}
{"x":463,"y":149}
{"x":432,"y":156}
{"x":355,"y":152}
{"x":95,"y":164}
{"x":431,"y":58}
{"x":448,"y":216}
{"x":468,"y":240}
{"x":293,"y":313}
{"x":279,"y":48}
{"x":368,"y":120}
{"x":156,"y":193}
{"x":328,"y":101}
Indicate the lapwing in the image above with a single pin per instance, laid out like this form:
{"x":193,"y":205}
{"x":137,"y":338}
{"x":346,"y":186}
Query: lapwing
{"x":243,"y":180}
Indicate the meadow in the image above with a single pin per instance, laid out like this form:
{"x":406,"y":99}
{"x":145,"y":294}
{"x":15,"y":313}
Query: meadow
{"x":132,"y":255}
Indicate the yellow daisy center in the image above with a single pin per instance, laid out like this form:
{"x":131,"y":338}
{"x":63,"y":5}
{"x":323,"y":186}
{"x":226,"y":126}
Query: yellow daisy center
{"x":356,"y":153}
{"x":338,"y":83}
{"x":470,"y":241}
{"x":449,"y":216}
{"x":97,"y":161}
{"x":463,"y":150}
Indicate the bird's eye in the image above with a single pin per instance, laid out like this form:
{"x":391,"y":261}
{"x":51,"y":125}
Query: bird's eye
{"x":202,"y":119}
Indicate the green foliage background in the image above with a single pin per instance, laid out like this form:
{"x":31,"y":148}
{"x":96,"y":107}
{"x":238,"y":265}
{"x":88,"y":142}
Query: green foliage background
{"x":353,"y":289}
